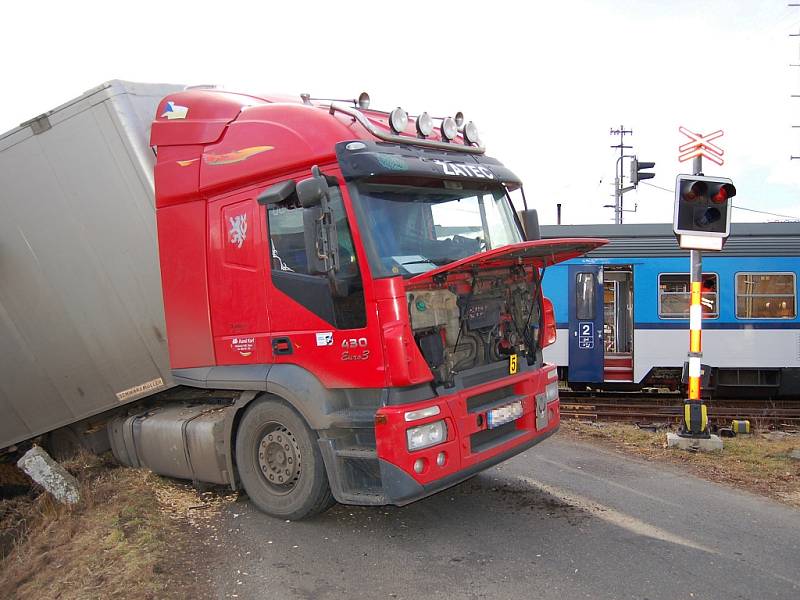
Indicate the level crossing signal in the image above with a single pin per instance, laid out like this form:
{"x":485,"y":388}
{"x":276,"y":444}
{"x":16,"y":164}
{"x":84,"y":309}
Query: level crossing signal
{"x":702,"y":219}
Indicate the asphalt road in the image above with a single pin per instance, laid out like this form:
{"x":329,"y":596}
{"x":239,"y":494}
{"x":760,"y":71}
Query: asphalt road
{"x":563,"y":520}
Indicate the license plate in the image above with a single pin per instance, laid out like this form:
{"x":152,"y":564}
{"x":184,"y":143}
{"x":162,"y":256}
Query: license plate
{"x":504,"y":414}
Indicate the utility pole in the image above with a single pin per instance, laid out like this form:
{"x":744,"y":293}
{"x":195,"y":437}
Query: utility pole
{"x":621,"y":132}
{"x":637,"y":173}
{"x":795,"y":5}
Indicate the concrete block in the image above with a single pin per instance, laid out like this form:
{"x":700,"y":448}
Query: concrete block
{"x":40,"y":467}
{"x":701,"y":444}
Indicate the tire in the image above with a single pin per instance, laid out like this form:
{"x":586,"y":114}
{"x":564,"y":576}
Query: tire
{"x":280,"y":463}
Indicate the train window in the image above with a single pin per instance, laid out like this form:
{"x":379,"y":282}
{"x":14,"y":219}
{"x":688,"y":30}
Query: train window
{"x":675,"y":296}
{"x":584,"y":296}
{"x":765,"y":296}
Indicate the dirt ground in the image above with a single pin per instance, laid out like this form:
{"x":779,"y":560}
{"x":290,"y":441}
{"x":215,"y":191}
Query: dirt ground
{"x":133,"y":535}
{"x":138,"y":535}
{"x":758,"y":462}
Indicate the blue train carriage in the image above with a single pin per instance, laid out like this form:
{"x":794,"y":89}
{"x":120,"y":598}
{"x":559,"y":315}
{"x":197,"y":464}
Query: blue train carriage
{"x":623,"y":310}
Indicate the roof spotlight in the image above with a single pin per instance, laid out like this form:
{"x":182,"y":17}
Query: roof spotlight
{"x":424,"y":125}
{"x":449,"y":129}
{"x":398,"y":120}
{"x":459,"y":119}
{"x":471,"y":133}
{"x":363,"y":101}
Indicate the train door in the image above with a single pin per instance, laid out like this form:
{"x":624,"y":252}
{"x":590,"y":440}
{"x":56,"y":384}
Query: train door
{"x":586,"y":352}
{"x":618,"y":323}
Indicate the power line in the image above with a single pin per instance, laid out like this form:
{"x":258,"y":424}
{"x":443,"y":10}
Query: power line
{"x":659,"y":187}
{"x":763,"y":212}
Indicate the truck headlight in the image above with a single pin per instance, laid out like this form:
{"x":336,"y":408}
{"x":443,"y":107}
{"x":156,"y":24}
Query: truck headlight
{"x":551,"y":391}
{"x":426,"y":435}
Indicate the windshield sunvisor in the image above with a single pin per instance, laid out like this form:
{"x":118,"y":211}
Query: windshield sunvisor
{"x":360,"y":159}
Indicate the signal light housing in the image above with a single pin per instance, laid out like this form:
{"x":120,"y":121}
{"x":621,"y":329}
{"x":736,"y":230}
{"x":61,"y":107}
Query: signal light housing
{"x":702,"y":219}
{"x":637,"y":173}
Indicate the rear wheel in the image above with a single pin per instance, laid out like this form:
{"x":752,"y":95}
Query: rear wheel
{"x":280,"y":464}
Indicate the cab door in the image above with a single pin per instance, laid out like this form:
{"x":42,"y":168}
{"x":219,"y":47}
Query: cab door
{"x":586,"y":352}
{"x":316,"y":324}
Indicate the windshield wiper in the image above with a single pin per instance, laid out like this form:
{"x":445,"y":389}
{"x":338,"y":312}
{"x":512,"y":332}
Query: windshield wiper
{"x":417,"y":262}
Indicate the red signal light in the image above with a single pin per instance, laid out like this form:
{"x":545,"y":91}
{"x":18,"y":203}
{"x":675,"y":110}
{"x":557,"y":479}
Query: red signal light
{"x":725,"y":193}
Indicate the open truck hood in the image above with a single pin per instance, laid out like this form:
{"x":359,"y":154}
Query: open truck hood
{"x":538,"y":253}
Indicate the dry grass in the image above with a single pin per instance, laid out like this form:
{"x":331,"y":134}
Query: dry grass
{"x":755,"y":462}
{"x":131,"y":536}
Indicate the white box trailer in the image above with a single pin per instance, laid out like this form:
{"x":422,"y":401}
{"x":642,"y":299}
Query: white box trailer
{"x":81,"y":313}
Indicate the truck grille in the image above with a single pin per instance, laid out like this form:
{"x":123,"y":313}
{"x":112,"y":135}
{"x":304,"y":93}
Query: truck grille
{"x":487,"y":400}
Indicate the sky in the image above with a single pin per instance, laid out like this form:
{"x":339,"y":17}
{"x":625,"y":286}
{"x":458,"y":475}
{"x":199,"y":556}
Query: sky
{"x":544,"y":81}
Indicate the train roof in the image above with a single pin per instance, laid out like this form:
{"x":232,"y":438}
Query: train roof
{"x":658,"y":239}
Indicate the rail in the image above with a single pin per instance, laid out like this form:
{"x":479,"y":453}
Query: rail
{"x":668,"y":408}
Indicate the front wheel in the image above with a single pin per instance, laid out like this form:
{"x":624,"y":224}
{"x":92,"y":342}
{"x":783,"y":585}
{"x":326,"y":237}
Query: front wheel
{"x":280,"y":464}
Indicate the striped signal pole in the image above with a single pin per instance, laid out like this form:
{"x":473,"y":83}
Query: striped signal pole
{"x":695,"y":414}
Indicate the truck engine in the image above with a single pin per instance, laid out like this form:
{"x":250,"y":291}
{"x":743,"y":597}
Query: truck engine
{"x":483,"y":319}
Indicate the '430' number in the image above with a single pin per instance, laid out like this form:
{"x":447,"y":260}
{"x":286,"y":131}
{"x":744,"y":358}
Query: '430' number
{"x":355,"y":349}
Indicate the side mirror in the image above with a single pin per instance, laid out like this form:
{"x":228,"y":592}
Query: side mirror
{"x":321,"y":238}
{"x":313,"y":190}
{"x":530,"y":222}
{"x":322,"y":248}
{"x":312,"y":235}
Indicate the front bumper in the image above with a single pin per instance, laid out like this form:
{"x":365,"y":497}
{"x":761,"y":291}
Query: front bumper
{"x":471,"y":446}
{"x":399,"y":488}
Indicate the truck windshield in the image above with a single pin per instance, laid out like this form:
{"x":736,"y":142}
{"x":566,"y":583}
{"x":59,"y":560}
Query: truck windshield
{"x":410,"y":229}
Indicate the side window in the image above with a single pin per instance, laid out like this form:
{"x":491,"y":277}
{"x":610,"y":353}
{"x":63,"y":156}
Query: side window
{"x":675,"y":295}
{"x":295,"y":268}
{"x":584,"y":296}
{"x":765,"y":296}
{"x":287,"y":239}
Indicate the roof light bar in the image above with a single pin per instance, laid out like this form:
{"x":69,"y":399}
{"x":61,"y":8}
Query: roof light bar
{"x":400,"y":139}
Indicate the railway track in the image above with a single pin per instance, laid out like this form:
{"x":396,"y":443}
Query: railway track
{"x":668,"y":408}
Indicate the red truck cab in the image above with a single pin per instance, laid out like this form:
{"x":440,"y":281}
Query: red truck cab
{"x":363,"y":283}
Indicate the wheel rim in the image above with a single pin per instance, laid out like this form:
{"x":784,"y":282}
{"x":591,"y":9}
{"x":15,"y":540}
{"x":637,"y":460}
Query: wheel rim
{"x":278,"y":458}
